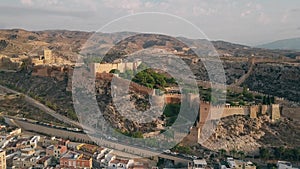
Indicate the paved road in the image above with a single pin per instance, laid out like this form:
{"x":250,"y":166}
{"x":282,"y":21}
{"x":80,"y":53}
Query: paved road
{"x":117,"y":145}
{"x":113,"y":144}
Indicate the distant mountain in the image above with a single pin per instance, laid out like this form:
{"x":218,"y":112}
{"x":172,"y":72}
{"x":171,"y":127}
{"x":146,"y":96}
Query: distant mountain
{"x":287,"y":44}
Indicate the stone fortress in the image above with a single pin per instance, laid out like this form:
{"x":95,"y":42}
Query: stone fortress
{"x":45,"y":58}
{"x":207,"y":112}
{"x":119,"y":65}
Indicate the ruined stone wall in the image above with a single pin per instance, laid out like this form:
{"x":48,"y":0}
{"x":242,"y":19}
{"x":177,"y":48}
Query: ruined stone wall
{"x":291,"y":112}
{"x":172,"y":98}
{"x":254,"y":111}
{"x":209,"y":112}
{"x":275,"y":112}
{"x":9,"y":63}
{"x":37,"y":61}
{"x":103,"y":68}
{"x":265,"y":109}
{"x":58,"y":72}
{"x":107,"y":67}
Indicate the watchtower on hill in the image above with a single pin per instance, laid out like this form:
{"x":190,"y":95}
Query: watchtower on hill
{"x":47,"y":56}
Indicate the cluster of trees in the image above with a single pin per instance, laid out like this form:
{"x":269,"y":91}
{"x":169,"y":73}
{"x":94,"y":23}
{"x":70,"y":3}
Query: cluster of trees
{"x":280,"y":153}
{"x":268,"y":100}
{"x":182,"y":149}
{"x":248,"y":96}
{"x":146,"y":77}
{"x":152,"y":79}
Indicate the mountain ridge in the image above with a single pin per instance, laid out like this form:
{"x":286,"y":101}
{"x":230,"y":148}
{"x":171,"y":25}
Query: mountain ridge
{"x":285,"y":44}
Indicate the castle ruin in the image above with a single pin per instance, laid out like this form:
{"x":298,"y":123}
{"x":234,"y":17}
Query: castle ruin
{"x":107,"y":67}
{"x":44,"y":58}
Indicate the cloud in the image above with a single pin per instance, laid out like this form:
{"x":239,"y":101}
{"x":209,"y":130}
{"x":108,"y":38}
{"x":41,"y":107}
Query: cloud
{"x":36,"y":12}
{"x":131,"y":6}
{"x":27,"y":2}
{"x":263,"y":18}
{"x":203,"y":11}
{"x":245,"y":13}
{"x":251,"y":8}
{"x":234,"y":17}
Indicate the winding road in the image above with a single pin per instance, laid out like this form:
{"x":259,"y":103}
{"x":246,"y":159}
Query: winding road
{"x":43,"y":108}
{"x":27,"y":125}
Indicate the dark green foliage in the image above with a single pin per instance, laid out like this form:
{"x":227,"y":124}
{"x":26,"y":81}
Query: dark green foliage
{"x":171,"y":112}
{"x":115,"y":71}
{"x":182,"y":149}
{"x":152,"y":79}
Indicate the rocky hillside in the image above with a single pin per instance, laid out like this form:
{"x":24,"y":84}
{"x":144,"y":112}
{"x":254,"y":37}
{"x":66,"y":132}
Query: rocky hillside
{"x":52,"y":92}
{"x":275,"y":79}
{"x":245,"y":134}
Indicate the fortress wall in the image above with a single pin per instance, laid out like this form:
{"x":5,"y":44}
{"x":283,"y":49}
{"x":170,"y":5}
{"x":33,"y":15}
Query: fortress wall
{"x":104,"y":68}
{"x":254,"y":111}
{"x":275,"y":112}
{"x":129,"y":66}
{"x":192,"y":137}
{"x":9,"y":63}
{"x":229,"y":111}
{"x":172,"y":98}
{"x":265,"y":109}
{"x":176,"y":98}
{"x":207,"y":112}
{"x":204,"y":113}
{"x":52,"y":131}
{"x":37,"y":61}
{"x":291,"y":112}
{"x":50,"y":71}
{"x":107,"y":67}
{"x":121,"y":67}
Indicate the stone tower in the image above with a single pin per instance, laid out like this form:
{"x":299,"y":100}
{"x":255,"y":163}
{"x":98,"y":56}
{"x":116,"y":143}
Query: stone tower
{"x":275,"y":112}
{"x":47,"y":56}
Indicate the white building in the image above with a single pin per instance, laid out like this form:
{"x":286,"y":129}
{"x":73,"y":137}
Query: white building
{"x":198,"y":164}
{"x":284,"y":165}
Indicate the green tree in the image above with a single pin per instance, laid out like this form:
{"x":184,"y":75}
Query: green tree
{"x":278,"y":152}
{"x":138,"y":134}
{"x":264,"y":100}
{"x":264,"y":153}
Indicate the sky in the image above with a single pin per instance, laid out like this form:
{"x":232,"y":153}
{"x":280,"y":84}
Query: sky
{"x":249,"y":22}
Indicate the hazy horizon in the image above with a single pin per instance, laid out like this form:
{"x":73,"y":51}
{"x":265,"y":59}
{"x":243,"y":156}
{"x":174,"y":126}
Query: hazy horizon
{"x":243,"y":22}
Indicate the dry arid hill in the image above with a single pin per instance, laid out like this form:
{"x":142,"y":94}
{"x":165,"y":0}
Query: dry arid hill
{"x":67,"y":44}
{"x":278,"y":75}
